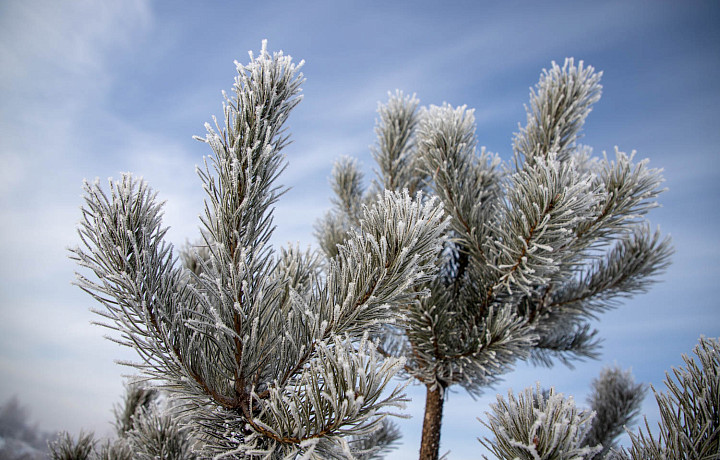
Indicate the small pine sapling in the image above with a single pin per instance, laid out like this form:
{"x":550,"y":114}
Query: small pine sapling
{"x":535,"y":249}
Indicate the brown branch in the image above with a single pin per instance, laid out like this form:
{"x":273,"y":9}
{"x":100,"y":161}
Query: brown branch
{"x":237,"y":324}
{"x":301,"y":362}
{"x":247,"y":411}
{"x":523,"y":253}
{"x":222,"y":400}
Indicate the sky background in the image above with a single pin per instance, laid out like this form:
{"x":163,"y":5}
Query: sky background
{"x":91,"y":89}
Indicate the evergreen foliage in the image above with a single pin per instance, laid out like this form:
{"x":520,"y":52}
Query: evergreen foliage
{"x":535,"y":249}
{"x":138,"y":400}
{"x":689,"y":426}
{"x":267,"y":356}
{"x":146,"y":429}
{"x":65,"y":447}
{"x":547,"y":425}
{"x":615,"y":399}
{"x":159,"y":435}
{"x":19,"y":438}
{"x":536,"y":426}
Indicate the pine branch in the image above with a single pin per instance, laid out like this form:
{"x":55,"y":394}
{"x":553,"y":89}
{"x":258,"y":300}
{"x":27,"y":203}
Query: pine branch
{"x":331,"y":231}
{"x":394,"y":152}
{"x":467,"y":184}
{"x":448,"y":350}
{"x":138,"y":284}
{"x":347,"y":183}
{"x":137,"y":400}
{"x":394,"y":249}
{"x":628,"y":193}
{"x":616,"y":401}
{"x":339,"y":391}
{"x":377,"y":444}
{"x":628,"y":268}
{"x":160,"y":436}
{"x":689,"y":412}
{"x":241,"y":331}
{"x":545,"y":202}
{"x":536,"y":425}
{"x":559,"y":105}
{"x":65,"y":447}
{"x":564,"y":340}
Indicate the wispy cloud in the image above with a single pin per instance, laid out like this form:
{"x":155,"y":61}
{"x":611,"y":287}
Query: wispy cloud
{"x":56,"y":70}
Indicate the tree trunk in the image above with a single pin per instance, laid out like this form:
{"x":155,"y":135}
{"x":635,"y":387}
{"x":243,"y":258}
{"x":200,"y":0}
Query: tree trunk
{"x":430,"y":445}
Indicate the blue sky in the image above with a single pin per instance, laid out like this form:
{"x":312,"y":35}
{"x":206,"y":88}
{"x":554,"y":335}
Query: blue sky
{"x":91,"y":89}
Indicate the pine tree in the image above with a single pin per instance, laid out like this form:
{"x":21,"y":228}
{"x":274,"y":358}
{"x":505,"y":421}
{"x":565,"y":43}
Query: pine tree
{"x":266,"y":353}
{"x":535,"y":249}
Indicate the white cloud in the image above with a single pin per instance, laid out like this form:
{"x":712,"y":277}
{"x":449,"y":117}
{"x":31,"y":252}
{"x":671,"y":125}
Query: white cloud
{"x":56,"y":72}
{"x":47,"y":40}
{"x":58,"y":364}
{"x":496,"y":47}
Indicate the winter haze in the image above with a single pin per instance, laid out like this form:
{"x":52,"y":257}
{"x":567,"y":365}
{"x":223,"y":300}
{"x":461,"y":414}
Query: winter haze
{"x":93,"y":89}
